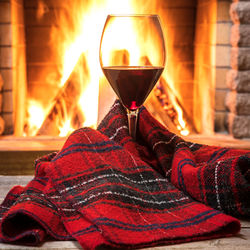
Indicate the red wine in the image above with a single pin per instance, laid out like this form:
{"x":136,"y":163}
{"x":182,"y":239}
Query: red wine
{"x":132,"y":84}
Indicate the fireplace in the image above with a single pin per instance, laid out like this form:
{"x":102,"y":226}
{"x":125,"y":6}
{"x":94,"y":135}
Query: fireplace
{"x":205,"y":88}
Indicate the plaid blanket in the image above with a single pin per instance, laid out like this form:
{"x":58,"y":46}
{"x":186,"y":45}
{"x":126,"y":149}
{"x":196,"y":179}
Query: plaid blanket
{"x":104,"y":189}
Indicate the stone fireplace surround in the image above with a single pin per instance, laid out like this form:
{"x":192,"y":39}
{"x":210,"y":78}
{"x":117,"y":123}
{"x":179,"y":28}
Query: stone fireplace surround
{"x":217,"y":38}
{"x":226,"y":68}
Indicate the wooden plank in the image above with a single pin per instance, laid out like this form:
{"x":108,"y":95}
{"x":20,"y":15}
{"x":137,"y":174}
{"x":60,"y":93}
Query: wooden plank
{"x":51,"y":245}
{"x":55,"y":143}
{"x":220,"y":140}
{"x":37,"y":143}
{"x":240,"y":241}
{"x":19,"y":162}
{"x":18,"y":154}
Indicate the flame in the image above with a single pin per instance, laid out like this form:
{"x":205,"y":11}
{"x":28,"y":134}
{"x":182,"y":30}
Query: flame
{"x":36,"y":114}
{"x":81,"y":35}
{"x":73,"y":37}
{"x":121,"y":42}
{"x":66,"y":128}
{"x":88,"y":34}
{"x":180,"y":122}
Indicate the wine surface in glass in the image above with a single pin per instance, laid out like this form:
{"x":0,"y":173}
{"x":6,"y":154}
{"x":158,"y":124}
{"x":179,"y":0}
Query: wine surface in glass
{"x":132,"y":84}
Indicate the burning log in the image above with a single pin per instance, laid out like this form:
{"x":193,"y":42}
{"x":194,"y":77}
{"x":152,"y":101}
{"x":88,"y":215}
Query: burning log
{"x":156,"y":109}
{"x":169,"y":114}
{"x":164,"y":108}
{"x":65,"y":104}
{"x":169,"y":105}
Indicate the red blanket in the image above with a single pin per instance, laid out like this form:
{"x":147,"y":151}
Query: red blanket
{"x":103,"y":188}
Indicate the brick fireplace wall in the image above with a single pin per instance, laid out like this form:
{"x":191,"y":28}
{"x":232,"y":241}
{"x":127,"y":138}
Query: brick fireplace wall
{"x":222,"y":67}
{"x":238,"y":81}
{"x":179,"y":18}
{"x":12,"y":66}
{"x":212,"y":62}
{"x":2,"y":123}
{"x":42,"y":69}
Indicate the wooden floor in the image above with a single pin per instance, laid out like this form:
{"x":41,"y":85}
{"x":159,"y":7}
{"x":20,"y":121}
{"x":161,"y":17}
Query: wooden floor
{"x":240,"y":241}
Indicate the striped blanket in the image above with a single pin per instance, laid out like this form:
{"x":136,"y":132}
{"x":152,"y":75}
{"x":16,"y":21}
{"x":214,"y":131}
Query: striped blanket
{"x":104,"y":189}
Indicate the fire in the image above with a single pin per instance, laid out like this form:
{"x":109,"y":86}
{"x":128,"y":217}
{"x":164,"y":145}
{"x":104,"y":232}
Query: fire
{"x":35,"y":115}
{"x":72,"y":39}
{"x":66,"y":128}
{"x":180,"y":122}
{"x":80,"y":36}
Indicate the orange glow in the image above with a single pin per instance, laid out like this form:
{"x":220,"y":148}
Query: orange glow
{"x":81,"y":36}
{"x":66,"y":128}
{"x":181,"y":123}
{"x":36,"y":114}
{"x":88,"y":23}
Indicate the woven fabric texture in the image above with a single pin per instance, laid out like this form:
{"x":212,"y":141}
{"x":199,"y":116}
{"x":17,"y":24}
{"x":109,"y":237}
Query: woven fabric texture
{"x":104,"y":189}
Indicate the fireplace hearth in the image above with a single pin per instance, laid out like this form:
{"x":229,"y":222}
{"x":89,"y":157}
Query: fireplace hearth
{"x":208,"y":70}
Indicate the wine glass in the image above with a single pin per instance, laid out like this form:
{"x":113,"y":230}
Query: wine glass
{"x":132,"y":57}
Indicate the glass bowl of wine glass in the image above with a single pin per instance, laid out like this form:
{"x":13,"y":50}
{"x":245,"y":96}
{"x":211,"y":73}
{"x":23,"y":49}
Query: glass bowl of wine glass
{"x":132,"y":57}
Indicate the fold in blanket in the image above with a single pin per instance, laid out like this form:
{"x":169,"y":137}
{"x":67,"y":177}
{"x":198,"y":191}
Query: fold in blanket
{"x":103,"y":188}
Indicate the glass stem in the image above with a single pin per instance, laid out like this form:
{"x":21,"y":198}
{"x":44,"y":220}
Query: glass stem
{"x":132,"y":122}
